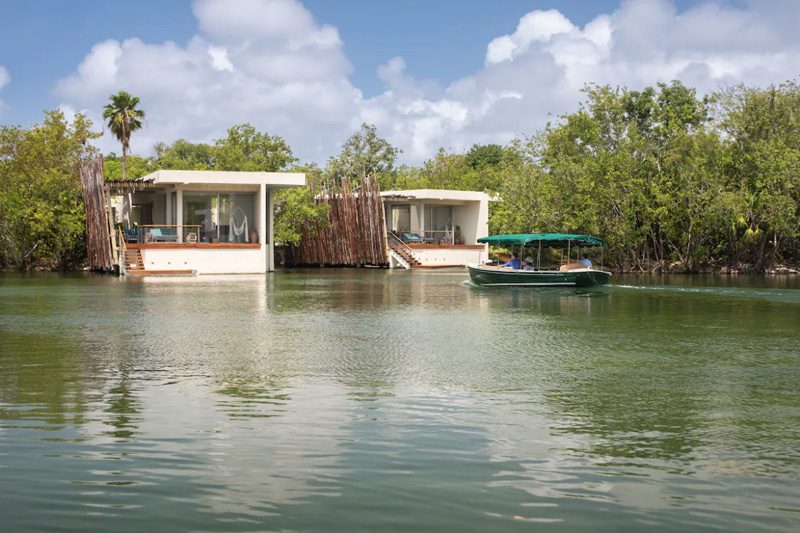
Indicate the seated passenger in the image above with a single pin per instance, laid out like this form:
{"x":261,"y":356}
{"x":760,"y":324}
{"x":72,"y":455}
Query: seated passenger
{"x":585,"y":261}
{"x":514,"y":263}
{"x":528,"y":267}
{"x":571,"y":266}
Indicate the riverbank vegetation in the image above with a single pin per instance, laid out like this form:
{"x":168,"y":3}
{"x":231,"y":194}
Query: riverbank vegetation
{"x":42,"y":222}
{"x":672,"y":181}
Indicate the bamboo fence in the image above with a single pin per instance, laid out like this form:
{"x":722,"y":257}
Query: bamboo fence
{"x":356,"y":233}
{"x":98,"y":243}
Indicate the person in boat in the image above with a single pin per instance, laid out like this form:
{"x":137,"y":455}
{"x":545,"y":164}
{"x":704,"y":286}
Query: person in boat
{"x":585,"y":261}
{"x":515,"y":263}
{"x":527,"y":264}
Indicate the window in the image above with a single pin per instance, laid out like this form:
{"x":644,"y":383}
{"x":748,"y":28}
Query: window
{"x":222,"y":217}
{"x":401,"y":218}
{"x":142,"y":214}
{"x":438,"y":217}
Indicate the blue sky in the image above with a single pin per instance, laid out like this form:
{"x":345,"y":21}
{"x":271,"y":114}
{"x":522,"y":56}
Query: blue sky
{"x":427,"y":73}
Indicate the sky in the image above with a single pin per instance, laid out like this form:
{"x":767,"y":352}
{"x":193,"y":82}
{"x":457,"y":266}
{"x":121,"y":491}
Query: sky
{"x":428,"y":74}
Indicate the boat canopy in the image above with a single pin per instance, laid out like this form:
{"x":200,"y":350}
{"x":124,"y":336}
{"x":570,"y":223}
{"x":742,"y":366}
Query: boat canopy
{"x":553,"y":240}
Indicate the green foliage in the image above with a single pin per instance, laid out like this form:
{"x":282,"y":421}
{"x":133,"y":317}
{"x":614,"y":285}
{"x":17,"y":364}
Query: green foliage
{"x":455,"y":172}
{"x":668,"y":179}
{"x":296,"y":209}
{"x":183,"y":155}
{"x":245,"y":149}
{"x":365,"y":154}
{"x":663,"y":184}
{"x":123,"y":119}
{"x":487,"y":155}
{"x":136,"y":167}
{"x":762,"y":158}
{"x":42,"y":222}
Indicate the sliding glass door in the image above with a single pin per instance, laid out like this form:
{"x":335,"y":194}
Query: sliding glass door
{"x":222,"y":217}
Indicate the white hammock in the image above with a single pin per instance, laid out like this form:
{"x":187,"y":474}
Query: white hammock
{"x":238,"y":230}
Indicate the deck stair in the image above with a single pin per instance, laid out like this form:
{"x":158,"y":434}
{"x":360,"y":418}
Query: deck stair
{"x":134,"y":265}
{"x":407,"y":258}
{"x":134,"y":259}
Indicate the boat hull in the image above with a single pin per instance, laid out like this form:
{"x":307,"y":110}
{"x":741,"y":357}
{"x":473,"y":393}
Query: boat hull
{"x":537,"y":278}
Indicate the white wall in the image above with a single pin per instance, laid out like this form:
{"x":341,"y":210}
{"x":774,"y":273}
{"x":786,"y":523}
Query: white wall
{"x":207,"y":260}
{"x":473,"y":218}
{"x":449,"y":256}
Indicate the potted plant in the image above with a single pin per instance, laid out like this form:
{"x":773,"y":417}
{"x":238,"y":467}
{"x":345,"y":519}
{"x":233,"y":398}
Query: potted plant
{"x":459,"y":237}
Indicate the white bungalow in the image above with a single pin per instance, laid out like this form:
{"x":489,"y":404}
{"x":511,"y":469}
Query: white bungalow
{"x":431,"y":228}
{"x":205,"y":222}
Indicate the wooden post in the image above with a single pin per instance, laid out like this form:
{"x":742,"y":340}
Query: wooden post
{"x":98,"y":226}
{"x":356,"y":233}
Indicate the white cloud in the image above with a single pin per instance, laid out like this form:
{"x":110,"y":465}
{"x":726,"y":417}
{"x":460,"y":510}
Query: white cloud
{"x":69,"y":112}
{"x":219,"y":58}
{"x":5,"y":78}
{"x":268,"y":62}
{"x":535,"y":27}
{"x":258,"y":61}
{"x":253,"y":20}
{"x":537,"y":72}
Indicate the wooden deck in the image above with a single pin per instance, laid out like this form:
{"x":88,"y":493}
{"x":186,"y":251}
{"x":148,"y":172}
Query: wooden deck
{"x":200,"y":245}
{"x":437,"y":266}
{"x":446,"y":246}
{"x":162,"y":272}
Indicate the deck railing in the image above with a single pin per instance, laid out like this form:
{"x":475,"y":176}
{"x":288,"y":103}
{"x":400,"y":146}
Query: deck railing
{"x":395,"y":240}
{"x":123,"y":251}
{"x":164,"y":233}
{"x":429,"y":237}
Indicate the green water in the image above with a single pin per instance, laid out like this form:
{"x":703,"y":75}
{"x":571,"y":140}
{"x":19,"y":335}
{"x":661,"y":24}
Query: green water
{"x":374,"y":401}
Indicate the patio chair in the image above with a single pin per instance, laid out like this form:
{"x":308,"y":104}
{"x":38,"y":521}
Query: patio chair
{"x":412,"y":238}
{"x":131,"y":235}
{"x":157,"y":234}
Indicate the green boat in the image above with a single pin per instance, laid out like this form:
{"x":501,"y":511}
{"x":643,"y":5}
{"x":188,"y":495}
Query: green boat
{"x":568,"y":275}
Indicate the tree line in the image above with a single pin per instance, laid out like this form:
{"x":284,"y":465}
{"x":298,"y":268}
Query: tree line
{"x":672,"y":181}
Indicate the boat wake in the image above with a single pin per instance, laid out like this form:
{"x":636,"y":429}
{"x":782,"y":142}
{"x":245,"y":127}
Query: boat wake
{"x":775,"y":295}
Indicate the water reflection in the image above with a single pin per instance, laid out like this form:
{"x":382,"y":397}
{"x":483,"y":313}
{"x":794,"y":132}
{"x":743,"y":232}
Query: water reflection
{"x":123,"y":406}
{"x":396,"y":401}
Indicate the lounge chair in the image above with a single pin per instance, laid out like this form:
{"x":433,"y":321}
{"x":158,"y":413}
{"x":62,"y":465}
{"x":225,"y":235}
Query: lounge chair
{"x":412,"y":238}
{"x":159,"y":235}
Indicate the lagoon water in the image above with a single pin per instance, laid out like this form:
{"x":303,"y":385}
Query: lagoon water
{"x":367,"y":400}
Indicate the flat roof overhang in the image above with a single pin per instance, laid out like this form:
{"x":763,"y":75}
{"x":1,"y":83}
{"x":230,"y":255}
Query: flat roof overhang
{"x":222,"y":178}
{"x":443,"y":195}
{"x":169,"y":179}
{"x":117,"y":187}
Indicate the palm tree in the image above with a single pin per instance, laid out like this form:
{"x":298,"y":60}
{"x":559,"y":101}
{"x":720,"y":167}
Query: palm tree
{"x":123,"y":119}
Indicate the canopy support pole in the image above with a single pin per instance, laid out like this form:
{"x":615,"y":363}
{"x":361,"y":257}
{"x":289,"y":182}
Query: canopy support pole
{"x":539,"y":257}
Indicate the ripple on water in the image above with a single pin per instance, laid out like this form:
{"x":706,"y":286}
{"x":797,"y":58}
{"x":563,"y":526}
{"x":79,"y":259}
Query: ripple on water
{"x":397,"y":401}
